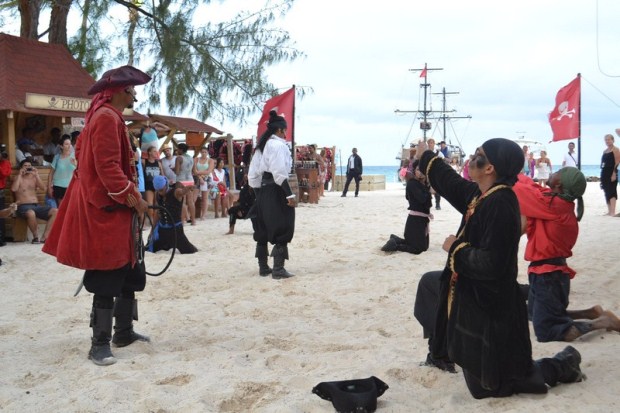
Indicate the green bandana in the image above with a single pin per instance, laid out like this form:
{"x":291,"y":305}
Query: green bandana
{"x":573,"y":187}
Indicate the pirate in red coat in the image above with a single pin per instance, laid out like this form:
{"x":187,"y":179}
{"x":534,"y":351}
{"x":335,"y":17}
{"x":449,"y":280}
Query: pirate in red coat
{"x":93,"y":230}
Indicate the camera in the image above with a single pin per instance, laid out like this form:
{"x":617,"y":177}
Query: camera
{"x":29,"y":169}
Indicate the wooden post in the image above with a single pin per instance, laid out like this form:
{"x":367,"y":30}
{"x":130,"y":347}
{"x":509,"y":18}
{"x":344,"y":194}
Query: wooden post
{"x":231,"y":161}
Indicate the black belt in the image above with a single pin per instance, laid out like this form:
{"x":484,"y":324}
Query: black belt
{"x":267,"y":179}
{"x":550,"y":261}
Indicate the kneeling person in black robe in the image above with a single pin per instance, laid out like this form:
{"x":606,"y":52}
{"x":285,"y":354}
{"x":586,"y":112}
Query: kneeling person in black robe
{"x":241,"y":208}
{"x":481,"y":319}
{"x":418,"y":194}
{"x":168,"y":232}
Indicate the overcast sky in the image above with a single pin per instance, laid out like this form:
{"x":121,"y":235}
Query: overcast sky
{"x":506,"y":60}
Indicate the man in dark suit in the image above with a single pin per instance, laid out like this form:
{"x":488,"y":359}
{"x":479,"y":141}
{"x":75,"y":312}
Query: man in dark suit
{"x":354,"y":171}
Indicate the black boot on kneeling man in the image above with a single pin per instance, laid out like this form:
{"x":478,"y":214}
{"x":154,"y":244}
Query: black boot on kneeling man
{"x":125,"y":311}
{"x":279,"y":254}
{"x":569,"y":370}
{"x":445,"y":365}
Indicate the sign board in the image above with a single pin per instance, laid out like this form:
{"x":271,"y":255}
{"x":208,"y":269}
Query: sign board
{"x":77,"y":122}
{"x":54,"y":102}
{"x":62,"y":103}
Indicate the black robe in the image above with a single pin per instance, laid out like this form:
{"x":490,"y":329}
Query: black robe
{"x":169,"y":230}
{"x":487,"y":332}
{"x":416,"y":227}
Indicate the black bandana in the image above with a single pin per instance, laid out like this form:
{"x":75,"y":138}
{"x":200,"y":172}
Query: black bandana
{"x":506,"y":157}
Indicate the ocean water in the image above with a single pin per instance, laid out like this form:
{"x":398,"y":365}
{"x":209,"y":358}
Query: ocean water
{"x":391,"y":171}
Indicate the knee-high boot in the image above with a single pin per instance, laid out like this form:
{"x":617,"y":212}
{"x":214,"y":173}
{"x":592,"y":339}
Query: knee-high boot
{"x":262,"y":253}
{"x":125,"y":311}
{"x":280,"y":253}
{"x":101,"y":323}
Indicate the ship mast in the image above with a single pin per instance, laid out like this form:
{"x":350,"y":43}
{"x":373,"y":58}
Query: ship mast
{"x":425,"y":125}
{"x":443,"y":116}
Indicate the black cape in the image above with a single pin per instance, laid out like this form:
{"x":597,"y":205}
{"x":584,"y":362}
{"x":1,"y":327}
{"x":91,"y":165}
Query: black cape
{"x":487,"y":332}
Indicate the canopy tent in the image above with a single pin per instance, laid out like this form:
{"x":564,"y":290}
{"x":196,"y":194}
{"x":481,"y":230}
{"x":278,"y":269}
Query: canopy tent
{"x":197,"y":134}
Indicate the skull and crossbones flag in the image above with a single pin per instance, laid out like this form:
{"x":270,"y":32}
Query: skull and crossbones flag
{"x":565,"y":117}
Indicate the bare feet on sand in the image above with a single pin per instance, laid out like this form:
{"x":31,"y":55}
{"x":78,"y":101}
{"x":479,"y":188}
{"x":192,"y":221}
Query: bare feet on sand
{"x":612,"y":321}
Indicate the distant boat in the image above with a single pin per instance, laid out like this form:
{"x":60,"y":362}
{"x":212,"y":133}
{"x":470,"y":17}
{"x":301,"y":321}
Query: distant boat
{"x":533,"y":146}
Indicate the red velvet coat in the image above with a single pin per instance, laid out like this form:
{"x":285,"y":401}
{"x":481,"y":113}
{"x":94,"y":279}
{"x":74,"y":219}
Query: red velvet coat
{"x":84,"y":234}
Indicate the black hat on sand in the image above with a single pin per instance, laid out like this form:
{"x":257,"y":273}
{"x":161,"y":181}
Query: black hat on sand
{"x":352,"y":395}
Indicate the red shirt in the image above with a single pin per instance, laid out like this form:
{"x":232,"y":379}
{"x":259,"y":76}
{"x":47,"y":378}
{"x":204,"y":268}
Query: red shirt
{"x":5,"y":172}
{"x":552,"y":226}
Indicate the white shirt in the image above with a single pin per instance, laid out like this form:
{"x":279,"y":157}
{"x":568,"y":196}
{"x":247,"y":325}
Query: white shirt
{"x":275,"y":159}
{"x":570,"y":159}
{"x":168,"y":167}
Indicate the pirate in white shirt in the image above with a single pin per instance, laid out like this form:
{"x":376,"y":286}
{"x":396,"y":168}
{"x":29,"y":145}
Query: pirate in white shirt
{"x":275,"y":201}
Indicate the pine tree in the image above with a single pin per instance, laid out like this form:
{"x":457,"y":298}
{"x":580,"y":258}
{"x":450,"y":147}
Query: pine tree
{"x":212,"y":69}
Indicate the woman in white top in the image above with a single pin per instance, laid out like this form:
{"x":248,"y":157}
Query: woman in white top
{"x":203,"y":167}
{"x":543,"y":167}
{"x":220,"y":189}
{"x":184,"y":165}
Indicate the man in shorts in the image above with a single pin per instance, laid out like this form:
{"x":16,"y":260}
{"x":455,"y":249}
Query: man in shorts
{"x":25,"y":188}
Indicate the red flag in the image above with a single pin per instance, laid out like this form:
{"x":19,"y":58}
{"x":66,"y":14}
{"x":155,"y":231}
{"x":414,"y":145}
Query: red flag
{"x":564,"y":118}
{"x":283,"y":104}
{"x":423,"y":73}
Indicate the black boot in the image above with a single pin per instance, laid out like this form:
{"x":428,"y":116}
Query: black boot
{"x":262,"y":253}
{"x":101,"y":323}
{"x":568,"y":361}
{"x":390,"y":246}
{"x":125,"y":311}
{"x":445,"y":365}
{"x":280,"y":253}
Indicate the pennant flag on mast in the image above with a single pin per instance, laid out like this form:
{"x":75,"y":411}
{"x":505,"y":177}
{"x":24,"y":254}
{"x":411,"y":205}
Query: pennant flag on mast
{"x":565,"y":117}
{"x":284,"y":105}
{"x":423,"y":73}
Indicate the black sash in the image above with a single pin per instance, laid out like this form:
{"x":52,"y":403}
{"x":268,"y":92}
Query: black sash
{"x":551,"y":261}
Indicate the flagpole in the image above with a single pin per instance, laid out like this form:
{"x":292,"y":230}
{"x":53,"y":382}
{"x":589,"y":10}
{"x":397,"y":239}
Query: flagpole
{"x":579,"y":137}
{"x":293,"y":134}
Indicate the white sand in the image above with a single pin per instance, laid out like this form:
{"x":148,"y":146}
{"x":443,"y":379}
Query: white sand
{"x":226,"y":340}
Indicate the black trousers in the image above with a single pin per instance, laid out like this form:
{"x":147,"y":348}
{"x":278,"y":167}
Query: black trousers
{"x":426,"y":299}
{"x":114,"y":283}
{"x":351,"y":176}
{"x":233,"y":214}
{"x":416,"y":239}
{"x":275,"y":220}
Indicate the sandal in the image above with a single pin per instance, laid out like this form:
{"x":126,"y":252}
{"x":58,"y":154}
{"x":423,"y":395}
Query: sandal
{"x":35,"y":240}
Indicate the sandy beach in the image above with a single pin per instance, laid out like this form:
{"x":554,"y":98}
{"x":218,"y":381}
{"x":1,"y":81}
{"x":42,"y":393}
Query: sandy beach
{"x":226,"y":340}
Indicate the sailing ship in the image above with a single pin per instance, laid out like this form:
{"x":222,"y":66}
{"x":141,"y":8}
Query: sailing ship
{"x":427,"y":114}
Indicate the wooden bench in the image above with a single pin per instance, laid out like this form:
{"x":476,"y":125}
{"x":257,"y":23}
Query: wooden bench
{"x":15,"y":228}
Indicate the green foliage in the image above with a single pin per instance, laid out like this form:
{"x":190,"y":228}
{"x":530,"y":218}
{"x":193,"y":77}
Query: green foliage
{"x":214,"y":70}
